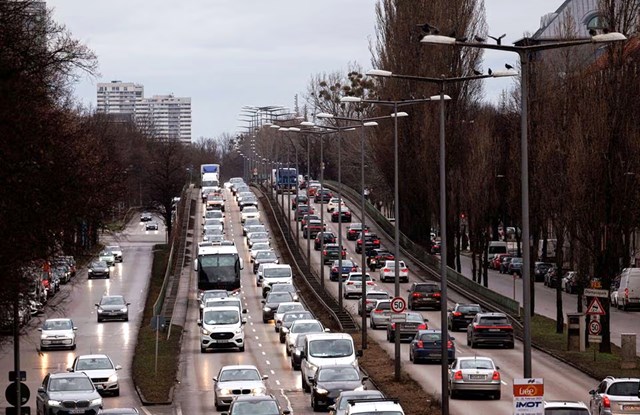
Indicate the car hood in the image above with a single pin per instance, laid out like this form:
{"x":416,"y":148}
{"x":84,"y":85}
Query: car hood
{"x":99,"y":269}
{"x":340,"y":385}
{"x":97,"y":373}
{"x":57,"y":333}
{"x":74,"y":395}
{"x":112,"y":307}
{"x":240,"y":384}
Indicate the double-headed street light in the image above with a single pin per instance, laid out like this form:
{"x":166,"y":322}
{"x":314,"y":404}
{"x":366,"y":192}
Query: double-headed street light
{"x":524,"y":51}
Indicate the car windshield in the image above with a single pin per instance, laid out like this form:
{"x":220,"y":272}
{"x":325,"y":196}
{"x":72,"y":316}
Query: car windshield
{"x":266,"y":255}
{"x":629,"y":388}
{"x":279,"y":297}
{"x":259,"y":235}
{"x":276,"y":272}
{"x":70,"y":384}
{"x":283,"y":308}
{"x":427,"y":288}
{"x":344,"y":401}
{"x":358,"y":277}
{"x":57,"y":325}
{"x":384,"y":305}
{"x":213,"y":317}
{"x":476,"y":364}
{"x":469,"y":308}
{"x":414,"y":318}
{"x":260,"y":246}
{"x":250,"y":209}
{"x":307,"y":327}
{"x":265,"y":407}
{"x":345,"y":264}
{"x":98,"y":264}
{"x":211,"y":222}
{"x":430,"y":337}
{"x":112,"y":300}
{"x":239,"y":374}
{"x":93,"y":363}
{"x":284,"y":288}
{"x":295,"y":316}
{"x":494,"y":321}
{"x":214,"y":214}
{"x":330,"y":348}
{"x":214,"y":294}
{"x":335,"y":374}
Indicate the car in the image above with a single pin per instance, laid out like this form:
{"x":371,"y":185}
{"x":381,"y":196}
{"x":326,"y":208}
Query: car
{"x":58,"y":333}
{"x":225,"y":302}
{"x":274,"y":274}
{"x":424,"y":294}
{"x":504,"y":264}
{"x":380,"y":314}
{"x":330,"y":380}
{"x":388,"y":271}
{"x":312,"y":228}
{"x":302,"y":210}
{"x":333,"y":204}
{"x":254,"y":228}
{"x":461,"y":314}
{"x":312,"y":189}
{"x":490,"y":329}
{"x":62,"y":272}
{"x":370,"y":300}
{"x":347,"y":267}
{"x":474,"y":374}
{"x":240,"y":195}
{"x":264,"y":257}
{"x":296,"y":351}
{"x":615,"y":396}
{"x":102,"y":371}
{"x":413,"y":323}
{"x":210,"y":294}
{"x":107,"y":257}
{"x":371,"y":241}
{"x":322,"y":195}
{"x":515,"y":266}
{"x":287,"y":321}
{"x":324,"y":238}
{"x":213,"y":235}
{"x":283,"y":308}
{"x":377,"y":257}
{"x":570,"y":282}
{"x":151,"y":226}
{"x":146,"y":217}
{"x":352,"y":286}
{"x":300,"y":199}
{"x":248,"y":223}
{"x":387,"y":406}
{"x":61,"y":390}
{"x":249,"y":212}
{"x":258,"y":247}
{"x":212,"y":224}
{"x":341,"y":215}
{"x":426,"y":345}
{"x":342,"y":401}
{"x":215,"y":201}
{"x":300,"y":327}
{"x":247,"y":202}
{"x":306,"y":218}
{"x":236,"y":380}
{"x":112,"y":307}
{"x":436,"y":245}
{"x":214,"y":214}
{"x":116,"y":251}
{"x":271,"y":303}
{"x":332,"y":252}
{"x":539,"y":270}
{"x":496,"y":260}
{"x":285,"y":287}
{"x":257,"y":237}
{"x":222,"y":328}
{"x":256,"y":405}
{"x":566,"y":407}
{"x":353,"y":230}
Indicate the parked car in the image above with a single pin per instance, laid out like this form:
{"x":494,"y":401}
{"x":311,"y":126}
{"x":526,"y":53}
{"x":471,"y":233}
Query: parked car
{"x":460,"y":316}
{"x":102,"y":371}
{"x":504,"y":265}
{"x":61,"y":390}
{"x":426,"y":345}
{"x":615,"y":396}
{"x":496,"y":260}
{"x":424,"y":294}
{"x":515,"y":266}
{"x":490,"y":329}
{"x":570,"y":282}
{"x":408,"y":328}
{"x":474,"y":374}
{"x":540,"y":269}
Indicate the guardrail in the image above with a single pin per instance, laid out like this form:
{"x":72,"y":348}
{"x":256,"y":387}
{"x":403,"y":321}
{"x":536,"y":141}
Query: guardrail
{"x":458,"y":282}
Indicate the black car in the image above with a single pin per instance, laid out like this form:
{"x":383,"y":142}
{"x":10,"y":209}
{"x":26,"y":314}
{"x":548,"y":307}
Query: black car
{"x":377,"y":257}
{"x":98,"y":269}
{"x":490,"y":329}
{"x":461,"y":315}
{"x":540,"y":269}
{"x":272,"y":302}
{"x":347,"y":267}
{"x":371,"y":241}
{"x":296,"y":353}
{"x":300,"y":199}
{"x":424,"y":294}
{"x":289,"y":317}
{"x":330,"y":380}
{"x":256,"y":405}
{"x":354,"y":230}
{"x":331,"y":252}
{"x":329,"y":238}
{"x":113,"y":307}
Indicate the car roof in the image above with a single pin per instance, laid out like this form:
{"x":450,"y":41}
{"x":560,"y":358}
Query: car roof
{"x":327,"y":336}
{"x":491,"y":314}
{"x":233,"y":367}
{"x":474,"y":358}
{"x":68,"y":375}
{"x":92,"y":356}
{"x":565,"y":404}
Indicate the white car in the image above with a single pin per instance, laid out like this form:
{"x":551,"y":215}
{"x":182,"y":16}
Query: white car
{"x":352,"y":286}
{"x":101,"y":370}
{"x":116,"y":251}
{"x":565,"y":407}
{"x":214,"y":214}
{"x":301,"y":327}
{"x":366,"y":407}
{"x":257,"y":247}
{"x":250,"y":212}
{"x":333,"y":204}
{"x":58,"y":333}
{"x":234,"y":380}
{"x":388,"y":271}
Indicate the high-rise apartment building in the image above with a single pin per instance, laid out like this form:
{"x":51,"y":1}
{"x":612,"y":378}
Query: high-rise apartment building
{"x":164,"y":116}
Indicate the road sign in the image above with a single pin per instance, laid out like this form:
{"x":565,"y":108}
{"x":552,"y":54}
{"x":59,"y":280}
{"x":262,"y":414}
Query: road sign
{"x":157,"y":323}
{"x":595,"y":339}
{"x":594,"y":327}
{"x":10,"y":394}
{"x":12,"y":376}
{"x":398,"y":305}
{"x":596,"y":307}
{"x":528,"y":396}
{"x":593,"y":292}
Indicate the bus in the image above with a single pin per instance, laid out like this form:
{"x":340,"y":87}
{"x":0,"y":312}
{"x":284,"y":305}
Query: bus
{"x":218,"y":267}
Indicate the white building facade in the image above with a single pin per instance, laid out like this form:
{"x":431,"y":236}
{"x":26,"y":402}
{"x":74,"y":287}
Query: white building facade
{"x":118,"y":97}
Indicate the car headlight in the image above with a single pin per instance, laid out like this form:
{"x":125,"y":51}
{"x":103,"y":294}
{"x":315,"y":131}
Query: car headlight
{"x":113,"y":378}
{"x":266,"y":309}
{"x":206,"y":332}
{"x":90,"y":270}
{"x":100,"y":311}
{"x":322,"y":391}
{"x":359,"y":388}
{"x":225,"y":391}
{"x":123,"y":310}
{"x":96,"y":401}
{"x":53,"y":402}
{"x":239,"y":330}
{"x":259,"y":390}
{"x":296,"y":352}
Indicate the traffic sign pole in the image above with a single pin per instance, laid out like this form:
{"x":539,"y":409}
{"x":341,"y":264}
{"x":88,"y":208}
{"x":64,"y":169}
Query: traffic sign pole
{"x":398,"y":305}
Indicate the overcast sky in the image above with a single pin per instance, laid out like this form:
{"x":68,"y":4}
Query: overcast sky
{"x":228,"y":53}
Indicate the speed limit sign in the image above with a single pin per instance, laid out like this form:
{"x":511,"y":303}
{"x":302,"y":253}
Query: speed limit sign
{"x":398,"y":304}
{"x":594,"y":327}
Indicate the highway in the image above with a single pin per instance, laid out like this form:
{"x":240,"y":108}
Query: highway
{"x":76,"y":301}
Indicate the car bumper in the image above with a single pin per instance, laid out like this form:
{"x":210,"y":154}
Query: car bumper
{"x":472,"y":386}
{"x":219,"y":341}
{"x":107,"y":387}
{"x":98,"y":275}
{"x":432,"y":354}
{"x":113,"y":316}
{"x":492,"y":339}
{"x":56,"y":343}
{"x":426,"y":302}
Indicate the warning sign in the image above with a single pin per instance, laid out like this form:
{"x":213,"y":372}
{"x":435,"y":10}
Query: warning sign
{"x":596,"y":307}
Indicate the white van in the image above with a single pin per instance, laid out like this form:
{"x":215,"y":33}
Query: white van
{"x":222,"y":327}
{"x":321,"y":349}
{"x":497,"y":247}
{"x":629,"y":289}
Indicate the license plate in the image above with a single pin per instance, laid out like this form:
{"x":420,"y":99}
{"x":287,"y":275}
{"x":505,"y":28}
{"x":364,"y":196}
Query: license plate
{"x":221,"y":341}
{"x":494,"y":330}
{"x":476,"y":377}
{"x":630,"y":407}
{"x":76,"y":411}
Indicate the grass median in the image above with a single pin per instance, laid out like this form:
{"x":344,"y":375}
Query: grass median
{"x":155,"y":386}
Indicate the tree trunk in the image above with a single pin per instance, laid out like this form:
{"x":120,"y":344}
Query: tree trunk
{"x":559,"y":262}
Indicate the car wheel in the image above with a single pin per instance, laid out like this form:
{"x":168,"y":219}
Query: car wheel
{"x":99,"y":320}
{"x":410,"y":305}
{"x":391,"y":338}
{"x":73,"y":347}
{"x":624,"y":305}
{"x":241,"y":349}
{"x":497,"y":395}
{"x":276,"y":329}
{"x":264,"y":320}
{"x":116,"y":392}
{"x":219,"y":408}
{"x":453,"y":394}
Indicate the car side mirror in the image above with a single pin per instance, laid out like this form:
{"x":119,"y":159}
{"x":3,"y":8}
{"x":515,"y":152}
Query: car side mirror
{"x":592,"y":392}
{"x":426,"y":320}
{"x":358,"y":353}
{"x":69,"y":369}
{"x":244,"y":321}
{"x":327,"y":330}
{"x":75,"y":328}
{"x":97,"y":305}
{"x":497,"y":367}
{"x":244,"y":311}
{"x":263,"y":301}
{"x":215,"y":379}
{"x":128,"y":303}
{"x":199,"y":322}
{"x":331,"y":407}
{"x":409,"y":290}
{"x":40,"y":389}
{"x":365,"y":378}
{"x":265,"y":377}
{"x":39,"y":329}
{"x":452,"y":338}
{"x":284,"y":330}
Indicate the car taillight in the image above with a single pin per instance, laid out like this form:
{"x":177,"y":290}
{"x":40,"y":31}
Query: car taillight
{"x":334,"y":269}
{"x":626,"y":293}
{"x":416,"y":295}
{"x":436,"y":294}
{"x":359,"y":241}
{"x":458,"y":375}
{"x":377,"y":311}
{"x":606,"y":402}
{"x":350,"y":283}
{"x":393,"y":326}
{"x":449,"y":344}
{"x":376,"y":241}
{"x":386,"y":270}
{"x":370,"y":283}
{"x":369,"y":301}
{"x":422,"y":326}
{"x":496,"y":375}
{"x":457,"y":314}
{"x":324,"y":252}
{"x":420,"y":344}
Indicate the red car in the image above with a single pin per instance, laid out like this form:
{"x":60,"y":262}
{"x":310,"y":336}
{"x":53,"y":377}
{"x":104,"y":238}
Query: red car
{"x":494,"y":263}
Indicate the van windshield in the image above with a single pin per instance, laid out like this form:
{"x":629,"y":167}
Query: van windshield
{"x":331,"y":348}
{"x":276,"y":273}
{"x":216,"y":317}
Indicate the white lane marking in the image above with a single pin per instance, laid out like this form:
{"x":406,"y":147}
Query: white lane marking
{"x":268,"y":362}
{"x":272,"y":372}
{"x":503,"y":382}
{"x":286,"y":398}
{"x":278,"y":382}
{"x":254,"y":330}
{"x":259,"y":344}
{"x":257,"y":338}
{"x":146,"y":411}
{"x":264,"y":354}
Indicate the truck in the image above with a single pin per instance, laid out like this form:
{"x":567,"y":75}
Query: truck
{"x":286,"y":180}
{"x":209,"y":168}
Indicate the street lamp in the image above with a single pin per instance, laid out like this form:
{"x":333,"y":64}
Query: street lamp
{"x":524,"y":52}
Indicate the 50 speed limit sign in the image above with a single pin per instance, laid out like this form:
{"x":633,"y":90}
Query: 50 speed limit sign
{"x":398,"y":304}
{"x":594,"y":327}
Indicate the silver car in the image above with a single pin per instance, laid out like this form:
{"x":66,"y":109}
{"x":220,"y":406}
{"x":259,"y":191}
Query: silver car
{"x":58,"y":333}
{"x":67,"y":393}
{"x":474,"y":374}
{"x":101,"y":370}
{"x":301,"y":327}
{"x":380,"y":314}
{"x":237,"y":380}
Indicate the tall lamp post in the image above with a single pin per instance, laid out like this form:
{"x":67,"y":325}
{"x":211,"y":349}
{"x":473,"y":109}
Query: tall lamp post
{"x":524,"y":51}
